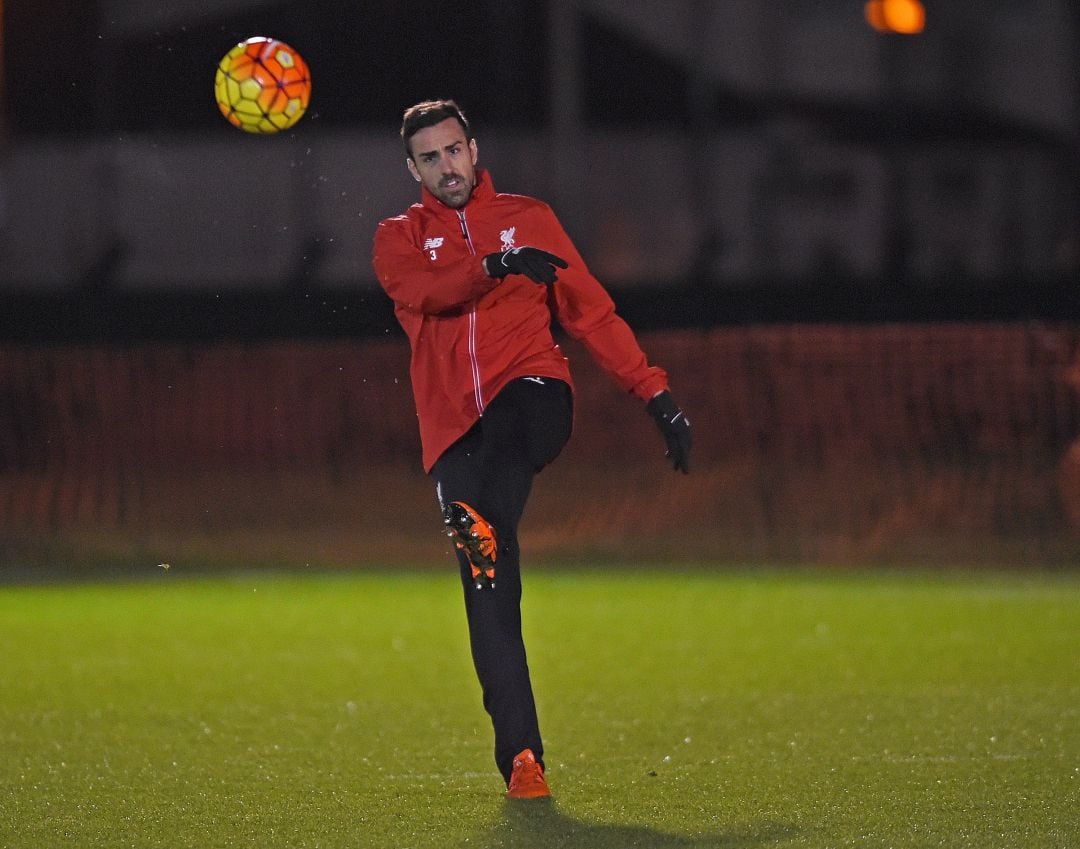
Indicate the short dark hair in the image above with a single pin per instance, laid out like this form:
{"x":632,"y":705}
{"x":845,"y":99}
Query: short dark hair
{"x":428,"y":114}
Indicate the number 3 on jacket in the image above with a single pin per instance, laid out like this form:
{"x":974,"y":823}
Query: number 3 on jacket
{"x":431,"y":244}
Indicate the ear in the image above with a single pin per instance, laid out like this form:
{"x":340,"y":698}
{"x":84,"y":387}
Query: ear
{"x":412,"y":169}
{"x":472,"y":149}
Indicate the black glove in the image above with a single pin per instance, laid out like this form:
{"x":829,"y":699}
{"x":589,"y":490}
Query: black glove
{"x":539,"y":266}
{"x":675,"y":428}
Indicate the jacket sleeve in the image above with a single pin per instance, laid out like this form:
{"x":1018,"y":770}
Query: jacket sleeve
{"x":585,"y":310}
{"x":415,"y":283}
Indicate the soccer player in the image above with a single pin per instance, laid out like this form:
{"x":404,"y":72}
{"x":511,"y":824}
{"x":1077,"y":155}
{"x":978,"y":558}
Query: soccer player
{"x":475,"y":277}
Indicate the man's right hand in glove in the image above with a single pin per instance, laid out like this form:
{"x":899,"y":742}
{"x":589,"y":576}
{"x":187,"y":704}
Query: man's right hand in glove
{"x":539,"y":266}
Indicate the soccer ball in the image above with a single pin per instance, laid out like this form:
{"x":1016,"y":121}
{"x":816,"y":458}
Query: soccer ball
{"x":262,"y":85}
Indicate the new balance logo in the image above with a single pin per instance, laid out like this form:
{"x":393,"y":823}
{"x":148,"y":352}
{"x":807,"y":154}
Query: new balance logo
{"x":434,"y":242}
{"x":507,"y":237}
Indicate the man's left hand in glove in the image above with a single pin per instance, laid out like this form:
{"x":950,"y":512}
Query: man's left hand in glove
{"x":675,"y":427}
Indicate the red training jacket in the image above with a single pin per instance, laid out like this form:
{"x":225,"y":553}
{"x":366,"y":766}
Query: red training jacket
{"x":471,"y":334}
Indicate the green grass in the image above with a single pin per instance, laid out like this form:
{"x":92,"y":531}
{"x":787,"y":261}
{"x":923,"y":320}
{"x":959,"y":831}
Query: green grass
{"x":685,"y":709}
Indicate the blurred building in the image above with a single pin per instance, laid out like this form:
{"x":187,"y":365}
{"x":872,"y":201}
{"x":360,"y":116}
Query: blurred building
{"x":683,"y":142}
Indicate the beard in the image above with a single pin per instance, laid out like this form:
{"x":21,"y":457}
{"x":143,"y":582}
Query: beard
{"x":454,"y":190}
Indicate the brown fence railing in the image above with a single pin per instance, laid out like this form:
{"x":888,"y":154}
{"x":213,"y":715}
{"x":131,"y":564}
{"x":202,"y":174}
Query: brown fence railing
{"x":931,"y":443}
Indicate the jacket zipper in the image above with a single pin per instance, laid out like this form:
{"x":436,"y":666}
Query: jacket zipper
{"x":474,"y":362}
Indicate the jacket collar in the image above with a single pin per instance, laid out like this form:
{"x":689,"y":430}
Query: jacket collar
{"x":482,"y":191}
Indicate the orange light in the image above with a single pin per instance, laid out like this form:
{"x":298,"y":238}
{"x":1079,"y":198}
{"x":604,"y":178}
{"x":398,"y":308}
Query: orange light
{"x":875,"y":15}
{"x":904,"y":17}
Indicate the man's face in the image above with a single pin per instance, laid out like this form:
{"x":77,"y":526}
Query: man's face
{"x":444,"y":161}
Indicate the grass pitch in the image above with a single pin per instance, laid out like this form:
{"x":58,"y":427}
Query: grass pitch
{"x":689,"y":709}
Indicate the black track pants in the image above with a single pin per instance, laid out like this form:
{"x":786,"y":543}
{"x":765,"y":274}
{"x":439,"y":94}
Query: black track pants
{"x":491,"y":469}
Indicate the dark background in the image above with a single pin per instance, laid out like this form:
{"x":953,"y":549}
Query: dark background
{"x":907,"y":412}
{"x":70,"y":75}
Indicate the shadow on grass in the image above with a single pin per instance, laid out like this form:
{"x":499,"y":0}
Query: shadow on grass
{"x":538,"y":823}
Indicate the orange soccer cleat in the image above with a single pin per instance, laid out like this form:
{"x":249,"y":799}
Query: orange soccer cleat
{"x":471,"y":532}
{"x":527,"y":780}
